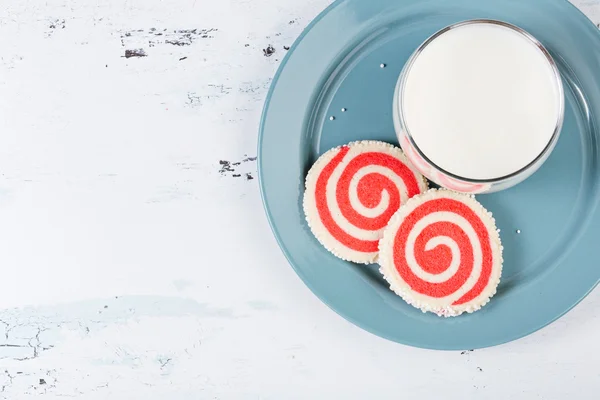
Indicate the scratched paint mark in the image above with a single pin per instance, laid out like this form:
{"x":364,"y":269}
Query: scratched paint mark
{"x":43,"y":329}
{"x":225,"y":166}
{"x":208,"y":94}
{"x":269,"y":51}
{"x":57,"y":23}
{"x":163,"y":361}
{"x":135,"y":53}
{"x":157,"y":36}
{"x":187,"y":166}
{"x":171,"y":193}
{"x":54,"y":25}
{"x":254,"y":87}
{"x":229,"y":168}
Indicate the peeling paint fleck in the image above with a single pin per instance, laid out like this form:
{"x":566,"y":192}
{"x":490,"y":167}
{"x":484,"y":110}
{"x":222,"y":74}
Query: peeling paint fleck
{"x":269,"y":51}
{"x":135,"y":53}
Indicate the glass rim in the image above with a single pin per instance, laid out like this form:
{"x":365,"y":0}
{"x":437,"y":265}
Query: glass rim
{"x":561,"y":102}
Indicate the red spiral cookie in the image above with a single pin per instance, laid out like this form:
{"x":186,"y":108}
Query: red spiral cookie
{"x":351,"y":193}
{"x":441,"y":252}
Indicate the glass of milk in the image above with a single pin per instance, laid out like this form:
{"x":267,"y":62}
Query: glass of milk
{"x":479,"y":106}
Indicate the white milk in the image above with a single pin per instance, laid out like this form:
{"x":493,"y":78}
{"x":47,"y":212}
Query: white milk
{"x":481,"y":101}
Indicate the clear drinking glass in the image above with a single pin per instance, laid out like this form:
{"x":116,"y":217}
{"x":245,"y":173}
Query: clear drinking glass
{"x":444,"y":178}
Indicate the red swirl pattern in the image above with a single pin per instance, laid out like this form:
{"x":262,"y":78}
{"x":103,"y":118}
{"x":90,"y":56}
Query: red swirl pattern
{"x":414,"y":157}
{"x":369,"y":191}
{"x":458,"y":185}
{"x":438,"y":177}
{"x":438,"y":259}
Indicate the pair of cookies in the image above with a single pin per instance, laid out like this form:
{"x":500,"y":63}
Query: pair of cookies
{"x":439,"y":250}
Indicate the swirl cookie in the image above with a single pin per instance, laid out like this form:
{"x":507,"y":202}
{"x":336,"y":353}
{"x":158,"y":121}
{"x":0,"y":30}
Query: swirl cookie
{"x":352,"y":191}
{"x":441,"y":252}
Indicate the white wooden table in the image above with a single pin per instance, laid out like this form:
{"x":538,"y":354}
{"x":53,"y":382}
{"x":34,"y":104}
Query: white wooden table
{"x":127,"y":152}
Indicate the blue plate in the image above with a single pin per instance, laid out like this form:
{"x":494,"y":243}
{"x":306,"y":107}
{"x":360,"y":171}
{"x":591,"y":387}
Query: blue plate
{"x":336,"y":63}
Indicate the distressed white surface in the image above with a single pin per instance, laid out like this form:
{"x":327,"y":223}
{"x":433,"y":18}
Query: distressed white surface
{"x":113,"y":217}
